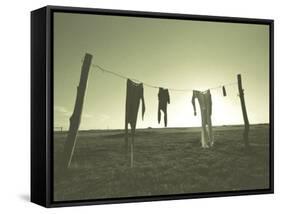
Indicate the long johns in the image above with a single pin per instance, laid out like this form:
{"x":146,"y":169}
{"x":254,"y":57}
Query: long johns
{"x":133,"y":97}
{"x":163,"y":100}
{"x":205,"y":102}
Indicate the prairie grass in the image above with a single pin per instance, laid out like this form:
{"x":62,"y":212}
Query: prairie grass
{"x":166,"y":161}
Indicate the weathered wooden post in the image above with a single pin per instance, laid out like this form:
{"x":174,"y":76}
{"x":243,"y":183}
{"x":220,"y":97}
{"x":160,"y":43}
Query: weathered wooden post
{"x":77,"y":112}
{"x":244,"y":111}
{"x":132,"y":151}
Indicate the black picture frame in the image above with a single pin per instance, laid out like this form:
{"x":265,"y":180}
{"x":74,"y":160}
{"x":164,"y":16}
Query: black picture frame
{"x":42,"y":102}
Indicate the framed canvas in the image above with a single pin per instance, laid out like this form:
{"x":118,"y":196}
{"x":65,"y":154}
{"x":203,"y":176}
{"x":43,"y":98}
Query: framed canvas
{"x":131,"y":106}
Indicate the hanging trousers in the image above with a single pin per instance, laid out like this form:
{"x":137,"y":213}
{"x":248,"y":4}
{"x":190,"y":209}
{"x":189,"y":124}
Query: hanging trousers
{"x":134,"y":95}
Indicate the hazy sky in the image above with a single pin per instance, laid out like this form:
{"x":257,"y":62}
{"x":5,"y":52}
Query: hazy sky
{"x":169,"y":53}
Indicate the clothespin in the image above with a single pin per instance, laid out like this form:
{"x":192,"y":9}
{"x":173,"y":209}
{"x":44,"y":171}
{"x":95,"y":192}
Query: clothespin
{"x":223,"y":91}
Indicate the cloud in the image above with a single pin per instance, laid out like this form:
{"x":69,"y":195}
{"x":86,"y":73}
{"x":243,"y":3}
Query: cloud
{"x":103,"y":117}
{"x":86,"y":115}
{"x":62,"y":111}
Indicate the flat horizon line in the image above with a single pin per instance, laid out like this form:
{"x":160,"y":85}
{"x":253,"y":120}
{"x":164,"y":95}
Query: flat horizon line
{"x":254,"y":124}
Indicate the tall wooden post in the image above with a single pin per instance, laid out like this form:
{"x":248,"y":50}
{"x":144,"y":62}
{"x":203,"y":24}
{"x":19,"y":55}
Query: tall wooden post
{"x":244,"y":111}
{"x":77,"y":112}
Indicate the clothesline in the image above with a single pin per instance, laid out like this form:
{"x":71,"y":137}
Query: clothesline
{"x":154,"y":86}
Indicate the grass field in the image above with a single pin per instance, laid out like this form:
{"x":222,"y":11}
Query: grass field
{"x":166,"y":161}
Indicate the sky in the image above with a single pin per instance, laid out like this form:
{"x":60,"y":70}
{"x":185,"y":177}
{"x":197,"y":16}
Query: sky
{"x":184,"y":54}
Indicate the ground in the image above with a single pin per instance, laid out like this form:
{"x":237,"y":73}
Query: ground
{"x":166,"y":161}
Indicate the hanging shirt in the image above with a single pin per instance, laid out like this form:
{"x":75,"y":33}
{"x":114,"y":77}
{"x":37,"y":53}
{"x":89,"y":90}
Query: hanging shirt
{"x":205,"y":102}
{"x":163,"y":100}
{"x":133,"y":97}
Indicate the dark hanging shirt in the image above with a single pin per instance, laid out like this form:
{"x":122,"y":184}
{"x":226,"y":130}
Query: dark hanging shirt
{"x":164,"y":99}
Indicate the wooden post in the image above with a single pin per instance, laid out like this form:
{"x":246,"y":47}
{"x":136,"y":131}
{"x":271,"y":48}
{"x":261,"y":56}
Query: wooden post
{"x":132,"y":150}
{"x":132,"y":155}
{"x":77,"y":112}
{"x":244,"y":111}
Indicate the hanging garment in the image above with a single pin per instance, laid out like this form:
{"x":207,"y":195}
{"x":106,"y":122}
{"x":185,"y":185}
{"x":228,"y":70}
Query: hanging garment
{"x":223,"y":91}
{"x":163,"y":100}
{"x":205,"y":102}
{"x":133,"y":97}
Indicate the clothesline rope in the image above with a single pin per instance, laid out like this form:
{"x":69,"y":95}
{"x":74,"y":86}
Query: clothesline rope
{"x":154,"y":86}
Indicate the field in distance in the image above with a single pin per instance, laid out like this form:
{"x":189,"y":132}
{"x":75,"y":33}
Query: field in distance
{"x":166,"y":161}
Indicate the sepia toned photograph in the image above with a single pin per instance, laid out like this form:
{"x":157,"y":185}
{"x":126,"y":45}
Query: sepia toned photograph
{"x":148,"y":106}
